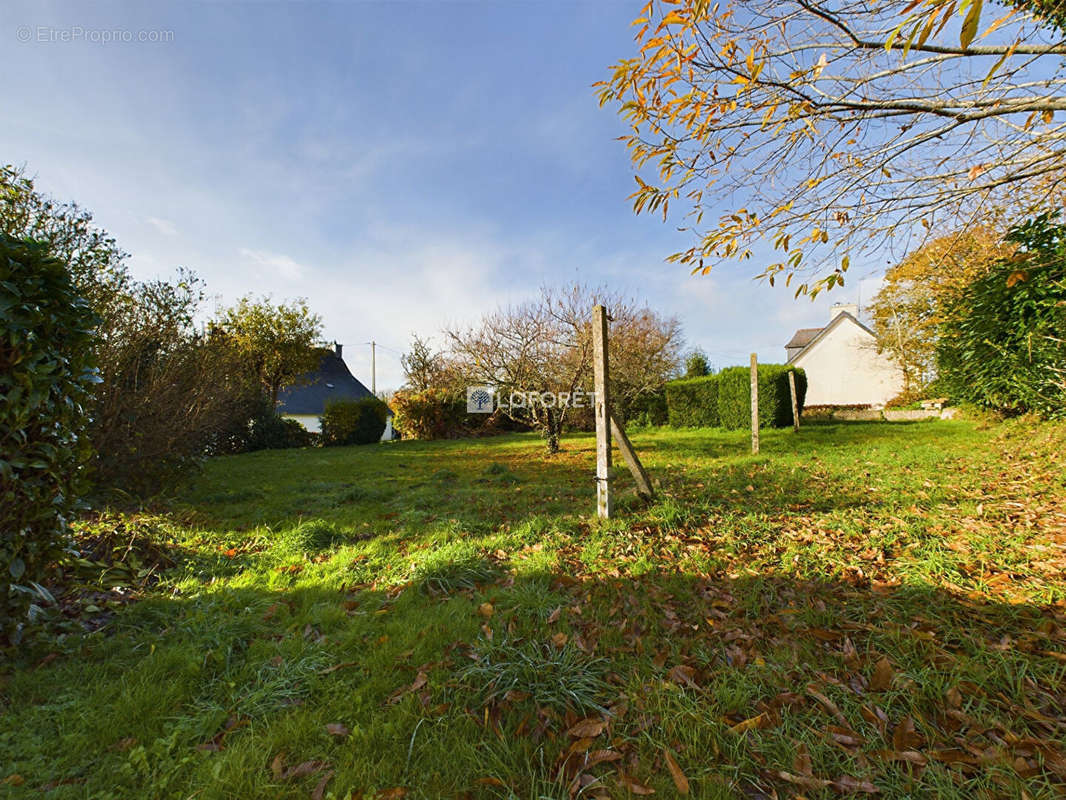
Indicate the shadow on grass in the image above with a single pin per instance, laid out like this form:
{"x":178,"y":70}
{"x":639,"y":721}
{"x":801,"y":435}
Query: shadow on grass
{"x":757,"y":685}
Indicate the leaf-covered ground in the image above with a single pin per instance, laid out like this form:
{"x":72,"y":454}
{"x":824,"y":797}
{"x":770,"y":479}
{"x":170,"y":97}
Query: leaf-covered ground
{"x":860,"y":610}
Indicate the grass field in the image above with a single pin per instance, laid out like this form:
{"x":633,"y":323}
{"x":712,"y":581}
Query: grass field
{"x":861,"y":609}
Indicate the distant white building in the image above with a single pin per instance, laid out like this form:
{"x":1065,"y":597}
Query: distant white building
{"x":842,"y":363}
{"x":306,"y":400}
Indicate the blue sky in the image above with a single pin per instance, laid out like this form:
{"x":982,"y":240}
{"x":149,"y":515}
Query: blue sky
{"x":402,"y":165}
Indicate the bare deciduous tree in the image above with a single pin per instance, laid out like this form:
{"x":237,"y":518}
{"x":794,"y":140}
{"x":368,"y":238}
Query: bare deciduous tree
{"x":545,"y":346}
{"x":826,"y":128}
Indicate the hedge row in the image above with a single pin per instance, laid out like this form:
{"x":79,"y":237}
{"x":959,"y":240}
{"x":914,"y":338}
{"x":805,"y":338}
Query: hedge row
{"x":724,"y":400}
{"x":693,"y":402}
{"x":45,"y":379}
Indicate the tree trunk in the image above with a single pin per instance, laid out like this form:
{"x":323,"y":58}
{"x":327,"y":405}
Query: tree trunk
{"x":551,"y":429}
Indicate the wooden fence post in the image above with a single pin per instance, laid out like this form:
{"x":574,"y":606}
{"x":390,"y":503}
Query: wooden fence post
{"x":640,"y":475}
{"x":795,"y":403}
{"x":602,"y":411}
{"x":754,"y":404}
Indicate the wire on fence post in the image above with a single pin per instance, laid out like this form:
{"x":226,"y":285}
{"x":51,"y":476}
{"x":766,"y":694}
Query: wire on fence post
{"x":603,"y":411}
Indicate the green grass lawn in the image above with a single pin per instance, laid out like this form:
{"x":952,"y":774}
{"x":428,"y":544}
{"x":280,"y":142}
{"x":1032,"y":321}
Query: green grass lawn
{"x":861,"y":608}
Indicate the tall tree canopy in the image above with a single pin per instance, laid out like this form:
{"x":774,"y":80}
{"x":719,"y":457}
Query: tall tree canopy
{"x":826,"y":128}
{"x":921,"y":291}
{"x":276,"y":342}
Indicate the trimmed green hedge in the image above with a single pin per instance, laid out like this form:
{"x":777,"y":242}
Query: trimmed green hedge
{"x":775,"y":400}
{"x":46,"y":336}
{"x":693,"y":402}
{"x":724,"y":400}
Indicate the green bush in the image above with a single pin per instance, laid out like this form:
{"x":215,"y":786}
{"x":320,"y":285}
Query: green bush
{"x":645,"y":410}
{"x":45,"y":375}
{"x":1004,"y":348}
{"x":354,"y":421}
{"x":693,"y":402}
{"x":272,"y":432}
{"x":430,"y":414}
{"x":775,"y":399}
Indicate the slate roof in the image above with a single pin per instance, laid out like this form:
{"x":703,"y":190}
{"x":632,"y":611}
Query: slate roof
{"x":332,"y":381}
{"x":802,"y":337}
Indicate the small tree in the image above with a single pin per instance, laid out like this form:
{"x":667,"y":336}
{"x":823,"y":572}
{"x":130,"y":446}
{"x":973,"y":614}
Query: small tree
{"x":422,"y":367}
{"x":544,"y":347}
{"x":920,"y":291}
{"x":696,"y":364}
{"x":276,"y":343}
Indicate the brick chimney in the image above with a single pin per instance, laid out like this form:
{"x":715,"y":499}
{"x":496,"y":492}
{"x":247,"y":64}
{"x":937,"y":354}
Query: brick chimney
{"x":337,"y":348}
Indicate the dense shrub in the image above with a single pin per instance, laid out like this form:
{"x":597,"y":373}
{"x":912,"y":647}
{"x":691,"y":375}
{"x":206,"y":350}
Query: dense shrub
{"x":775,"y":399}
{"x":45,"y":375}
{"x":1005,"y":348}
{"x":441,"y":414}
{"x":270,"y":431}
{"x":647,"y":409}
{"x":430,"y":414}
{"x":354,"y":421}
{"x":693,"y":402}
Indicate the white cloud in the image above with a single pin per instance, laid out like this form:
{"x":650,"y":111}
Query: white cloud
{"x":278,"y":264}
{"x":164,"y":226}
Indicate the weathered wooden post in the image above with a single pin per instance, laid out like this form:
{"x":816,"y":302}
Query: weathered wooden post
{"x":640,"y":475}
{"x":795,"y":403}
{"x":754,"y":404}
{"x":602,"y":411}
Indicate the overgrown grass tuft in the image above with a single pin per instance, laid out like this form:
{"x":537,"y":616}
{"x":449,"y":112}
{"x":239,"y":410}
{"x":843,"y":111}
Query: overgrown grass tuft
{"x":454,"y":567}
{"x":561,"y":678}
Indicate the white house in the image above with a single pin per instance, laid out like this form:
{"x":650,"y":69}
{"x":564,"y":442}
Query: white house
{"x":306,"y":401}
{"x":842,"y":364}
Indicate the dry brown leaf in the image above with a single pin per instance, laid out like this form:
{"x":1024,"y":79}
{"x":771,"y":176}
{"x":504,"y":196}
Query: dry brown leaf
{"x":829,"y":706}
{"x":554,"y":616}
{"x":954,"y":697}
{"x":806,"y":781}
{"x":590,"y":727}
{"x":684,"y":675}
{"x":680,"y":781}
{"x":320,"y":788}
{"x":337,"y":729}
{"x":560,"y":639}
{"x":801,"y":761}
{"x":485,"y":610}
{"x":846,"y":784}
{"x":905,"y":737}
{"x":758,"y":721}
{"x":303,"y":769}
{"x":881,"y":679}
{"x":635,"y":786}
{"x":14,"y":779}
{"x":599,"y":757}
{"x":392,"y":794}
{"x":277,"y":766}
